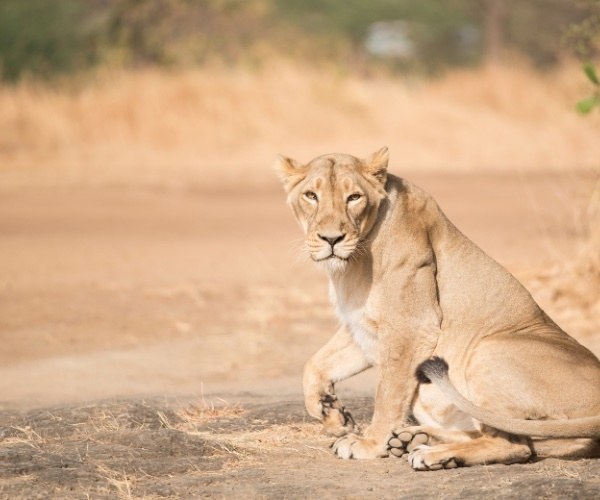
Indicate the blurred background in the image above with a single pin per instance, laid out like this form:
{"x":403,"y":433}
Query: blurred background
{"x":145,"y":246}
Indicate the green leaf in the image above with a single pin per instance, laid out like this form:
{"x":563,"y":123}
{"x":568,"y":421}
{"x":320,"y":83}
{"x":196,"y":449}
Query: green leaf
{"x":586,"y":105}
{"x":590,"y":71}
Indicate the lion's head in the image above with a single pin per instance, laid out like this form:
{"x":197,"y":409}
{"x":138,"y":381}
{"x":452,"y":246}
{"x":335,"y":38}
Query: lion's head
{"x":336,"y":199}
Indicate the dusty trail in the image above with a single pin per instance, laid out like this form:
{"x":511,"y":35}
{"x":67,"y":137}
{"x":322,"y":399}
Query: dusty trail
{"x":118,"y":292}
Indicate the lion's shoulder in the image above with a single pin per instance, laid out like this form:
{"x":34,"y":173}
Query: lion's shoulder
{"x":407,"y":198}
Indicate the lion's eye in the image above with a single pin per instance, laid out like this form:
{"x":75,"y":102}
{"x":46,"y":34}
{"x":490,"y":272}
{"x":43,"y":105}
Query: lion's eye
{"x":310,"y":195}
{"x":354,"y":197}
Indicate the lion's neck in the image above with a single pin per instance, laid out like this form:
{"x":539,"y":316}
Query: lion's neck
{"x":351,"y":286}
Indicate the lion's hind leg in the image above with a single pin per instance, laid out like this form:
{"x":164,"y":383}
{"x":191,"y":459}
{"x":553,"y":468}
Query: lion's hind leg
{"x":489,"y":448}
{"x":567,"y":448}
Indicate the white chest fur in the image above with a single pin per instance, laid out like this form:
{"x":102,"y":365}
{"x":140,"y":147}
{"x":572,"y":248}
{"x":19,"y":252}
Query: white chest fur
{"x":353,"y":315}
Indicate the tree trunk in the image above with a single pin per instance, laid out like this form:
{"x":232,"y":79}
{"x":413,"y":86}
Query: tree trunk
{"x":493,"y":25}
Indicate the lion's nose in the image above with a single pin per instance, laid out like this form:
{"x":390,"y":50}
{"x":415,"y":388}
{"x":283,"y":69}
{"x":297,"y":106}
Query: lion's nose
{"x":332,"y":239}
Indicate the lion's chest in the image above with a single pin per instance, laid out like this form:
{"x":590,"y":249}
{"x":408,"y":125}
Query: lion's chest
{"x":362,"y":329}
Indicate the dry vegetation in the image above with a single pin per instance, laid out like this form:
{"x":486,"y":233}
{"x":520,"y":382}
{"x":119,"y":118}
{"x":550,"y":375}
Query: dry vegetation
{"x":571,"y":287}
{"x":206,"y":126}
{"x":153,"y":449}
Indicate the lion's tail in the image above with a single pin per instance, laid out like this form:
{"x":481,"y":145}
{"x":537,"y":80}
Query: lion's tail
{"x":435,"y":370}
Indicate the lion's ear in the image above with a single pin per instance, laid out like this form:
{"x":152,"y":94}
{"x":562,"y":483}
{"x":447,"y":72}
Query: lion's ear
{"x":376,"y":164}
{"x":289,"y":171}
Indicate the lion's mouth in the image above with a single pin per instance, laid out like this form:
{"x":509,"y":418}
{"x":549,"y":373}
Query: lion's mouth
{"x":330,"y":257}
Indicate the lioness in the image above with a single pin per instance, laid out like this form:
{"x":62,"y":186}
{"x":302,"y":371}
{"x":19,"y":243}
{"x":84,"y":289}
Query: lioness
{"x":417,"y":297}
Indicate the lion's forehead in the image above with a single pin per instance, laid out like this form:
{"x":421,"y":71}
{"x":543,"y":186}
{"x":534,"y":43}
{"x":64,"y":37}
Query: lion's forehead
{"x":332,"y":184}
{"x":333,"y":178}
{"x":336,"y":159}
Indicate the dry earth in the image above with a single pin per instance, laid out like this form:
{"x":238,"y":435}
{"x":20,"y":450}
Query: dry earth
{"x":123,"y":311}
{"x":257,"y":449}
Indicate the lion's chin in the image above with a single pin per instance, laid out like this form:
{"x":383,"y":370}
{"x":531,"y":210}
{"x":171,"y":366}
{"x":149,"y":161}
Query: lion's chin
{"x":334,"y":264}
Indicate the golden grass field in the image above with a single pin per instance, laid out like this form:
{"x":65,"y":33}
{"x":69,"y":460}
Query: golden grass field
{"x":209,"y":127}
{"x":146,"y":254}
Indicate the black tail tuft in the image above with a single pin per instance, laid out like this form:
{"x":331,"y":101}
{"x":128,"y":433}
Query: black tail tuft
{"x":435,"y":367}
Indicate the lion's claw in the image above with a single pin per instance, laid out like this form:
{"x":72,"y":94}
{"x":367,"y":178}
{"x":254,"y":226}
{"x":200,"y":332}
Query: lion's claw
{"x":337,"y":421}
{"x":353,"y":446}
{"x":423,"y":458}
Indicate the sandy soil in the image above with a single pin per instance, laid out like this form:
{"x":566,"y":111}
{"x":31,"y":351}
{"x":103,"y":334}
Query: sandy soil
{"x":143,"y":293}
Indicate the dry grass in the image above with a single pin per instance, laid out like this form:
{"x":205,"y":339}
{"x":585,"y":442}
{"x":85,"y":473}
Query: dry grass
{"x":24,"y":435}
{"x":121,"y":483}
{"x":570,"y":287}
{"x":291,"y":438}
{"x":248,"y":445}
{"x":201,"y":413}
{"x":208,"y":126}
{"x":195,"y":414}
{"x":589,"y":260}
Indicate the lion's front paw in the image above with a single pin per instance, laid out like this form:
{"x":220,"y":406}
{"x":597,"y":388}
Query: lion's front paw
{"x":353,"y":446}
{"x":425,"y":457}
{"x":405,"y":440}
{"x":337,"y":421}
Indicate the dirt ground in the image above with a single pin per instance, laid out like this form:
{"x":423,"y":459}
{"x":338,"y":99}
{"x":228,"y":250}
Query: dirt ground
{"x":260,"y":448}
{"x":127,"y":313}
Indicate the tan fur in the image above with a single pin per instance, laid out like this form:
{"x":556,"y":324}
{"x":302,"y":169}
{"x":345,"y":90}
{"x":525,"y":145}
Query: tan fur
{"x":407,"y":285}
